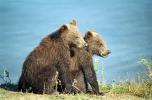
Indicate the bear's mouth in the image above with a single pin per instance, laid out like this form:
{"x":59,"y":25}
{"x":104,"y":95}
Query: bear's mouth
{"x":103,"y":55}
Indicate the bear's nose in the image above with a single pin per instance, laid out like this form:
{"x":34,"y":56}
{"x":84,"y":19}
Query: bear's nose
{"x":108,"y":52}
{"x":85,"y":45}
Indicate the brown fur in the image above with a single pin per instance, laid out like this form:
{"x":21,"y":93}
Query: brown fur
{"x":82,"y":69}
{"x":49,"y":60}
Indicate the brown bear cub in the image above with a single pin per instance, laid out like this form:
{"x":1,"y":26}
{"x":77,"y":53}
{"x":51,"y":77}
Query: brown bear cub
{"x":50,"y":60}
{"x":82,"y":69}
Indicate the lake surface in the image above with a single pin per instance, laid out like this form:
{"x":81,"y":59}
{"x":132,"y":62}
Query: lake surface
{"x":126,"y":26}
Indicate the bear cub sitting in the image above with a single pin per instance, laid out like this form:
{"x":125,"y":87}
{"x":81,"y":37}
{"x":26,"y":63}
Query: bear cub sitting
{"x":49,"y":60}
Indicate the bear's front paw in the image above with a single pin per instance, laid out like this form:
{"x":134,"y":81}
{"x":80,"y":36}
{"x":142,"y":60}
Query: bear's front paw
{"x":101,"y":94}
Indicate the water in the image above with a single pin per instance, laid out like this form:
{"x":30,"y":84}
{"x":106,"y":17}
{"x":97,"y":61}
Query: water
{"x":126,"y":25}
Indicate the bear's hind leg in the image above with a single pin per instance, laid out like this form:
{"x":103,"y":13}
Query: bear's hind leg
{"x":49,"y":77}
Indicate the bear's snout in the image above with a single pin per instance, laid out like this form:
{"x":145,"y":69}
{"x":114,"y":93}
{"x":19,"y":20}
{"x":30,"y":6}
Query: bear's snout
{"x":85,"y":45}
{"x":108,"y":52}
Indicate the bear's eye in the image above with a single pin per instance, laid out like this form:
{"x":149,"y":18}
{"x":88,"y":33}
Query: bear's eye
{"x":101,"y":44}
{"x":77,"y":37}
{"x":98,"y":41}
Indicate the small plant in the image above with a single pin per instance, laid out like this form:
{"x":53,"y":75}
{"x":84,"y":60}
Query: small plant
{"x":96,"y":64}
{"x":96,"y":67}
{"x":7,"y":81}
{"x":148,"y":64}
{"x":5,"y":76}
{"x":102,"y":74}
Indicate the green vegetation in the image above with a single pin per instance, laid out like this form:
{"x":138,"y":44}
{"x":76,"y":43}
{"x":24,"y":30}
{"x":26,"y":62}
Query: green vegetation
{"x":140,"y":89}
{"x":114,"y":91}
{"x":5,"y":75}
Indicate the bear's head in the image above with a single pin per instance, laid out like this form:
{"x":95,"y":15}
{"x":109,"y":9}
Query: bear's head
{"x":96,"y":44}
{"x":71,"y":35}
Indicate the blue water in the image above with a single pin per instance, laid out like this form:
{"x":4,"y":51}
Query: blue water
{"x":126,"y":25}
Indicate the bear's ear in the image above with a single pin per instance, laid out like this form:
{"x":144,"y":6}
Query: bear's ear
{"x":89,"y":34}
{"x":73,"y":22}
{"x":63,"y":28}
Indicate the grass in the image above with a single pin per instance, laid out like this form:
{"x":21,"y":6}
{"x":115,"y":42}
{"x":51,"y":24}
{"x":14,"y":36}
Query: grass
{"x":120,"y":91}
{"x":143,"y":90}
{"x":9,"y":95}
